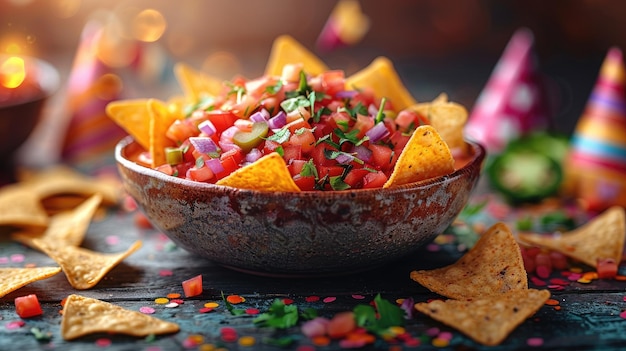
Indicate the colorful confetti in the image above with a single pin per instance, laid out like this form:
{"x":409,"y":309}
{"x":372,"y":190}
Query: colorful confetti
{"x":329,"y":299}
{"x":147,"y":310}
{"x":534,"y":342}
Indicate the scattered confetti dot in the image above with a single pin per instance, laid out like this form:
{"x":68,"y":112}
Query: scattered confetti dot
{"x":4,"y":260}
{"x":207,"y":347}
{"x":305,"y":348}
{"x":228,"y":334}
{"x":329,"y":299}
{"x":112,"y":240}
{"x":252,"y":311}
{"x":15,"y":325}
{"x":439,"y":342}
{"x":166,"y":273}
{"x":103,"y":342}
{"x":235,"y":299}
{"x":320,"y":340}
{"x":161,"y":301}
{"x":171,"y":305}
{"x":433,"y":247}
{"x":534,"y":342}
{"x":247,"y":341}
{"x":205,"y":310}
{"x":173,"y":295}
{"x":147,"y":310}
{"x":211,"y":304}
{"x":17,"y":258}
{"x":178,"y":301}
{"x":358,"y":297}
{"x":432,"y":332}
{"x":623,"y":314}
{"x":312,"y":298}
{"x":445,"y":335}
{"x":552,"y":302}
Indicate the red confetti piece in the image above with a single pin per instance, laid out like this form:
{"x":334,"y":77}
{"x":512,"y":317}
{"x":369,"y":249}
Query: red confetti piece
{"x":623,"y":314}
{"x":229,"y":337}
{"x":534,"y":341}
{"x":178,"y":301}
{"x":312,"y":298}
{"x":559,"y":281}
{"x":574,"y":276}
{"x":103,"y":342}
{"x":543,"y":271}
{"x":228,"y":331}
{"x":306,"y":348}
{"x":556,"y":287}
{"x":432,"y":332}
{"x":205,"y":310}
{"x":235,"y":299}
{"x":166,"y":273}
{"x":252,"y":311}
{"x":15,"y":325}
{"x":358,"y":297}
{"x":287,"y":301}
{"x":329,"y":299}
{"x":537,"y":281}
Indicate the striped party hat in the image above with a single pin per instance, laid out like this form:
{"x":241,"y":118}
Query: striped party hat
{"x":513,"y":103}
{"x":91,"y":86}
{"x":596,"y":165}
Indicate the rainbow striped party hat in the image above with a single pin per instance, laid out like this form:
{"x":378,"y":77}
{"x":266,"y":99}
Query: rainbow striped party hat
{"x":513,"y":103}
{"x":596,"y":165}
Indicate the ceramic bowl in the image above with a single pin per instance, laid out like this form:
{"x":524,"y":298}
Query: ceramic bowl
{"x":20,"y":114}
{"x":298,"y":234}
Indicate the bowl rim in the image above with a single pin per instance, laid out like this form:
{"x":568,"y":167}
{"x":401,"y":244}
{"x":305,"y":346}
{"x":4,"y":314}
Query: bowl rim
{"x":476,"y":160}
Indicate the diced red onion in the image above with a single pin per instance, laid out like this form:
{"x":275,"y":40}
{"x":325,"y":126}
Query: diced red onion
{"x":207,"y":127}
{"x":259,"y":116}
{"x":204,"y":145}
{"x":346,"y":94}
{"x":372,"y":110}
{"x":363,"y":153}
{"x":253,"y":155}
{"x":344,"y":158}
{"x":228,"y":134}
{"x":228,"y":145}
{"x":215,"y":165}
{"x":278,"y":121}
{"x":377,"y":132}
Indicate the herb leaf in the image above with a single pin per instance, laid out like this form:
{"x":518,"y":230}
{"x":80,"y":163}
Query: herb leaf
{"x":279,"y":316}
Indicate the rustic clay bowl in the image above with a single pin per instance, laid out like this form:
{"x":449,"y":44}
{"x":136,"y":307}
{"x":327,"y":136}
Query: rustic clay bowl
{"x":19,"y":117}
{"x":298,"y":234}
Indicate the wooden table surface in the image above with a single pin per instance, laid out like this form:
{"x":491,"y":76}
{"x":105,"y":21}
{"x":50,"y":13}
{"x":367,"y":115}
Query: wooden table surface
{"x":587,"y":318}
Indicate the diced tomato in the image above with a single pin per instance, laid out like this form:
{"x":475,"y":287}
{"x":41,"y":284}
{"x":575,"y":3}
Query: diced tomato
{"x":363,"y":124}
{"x":304,"y":138}
{"x":292,"y":152}
{"x":333,"y":82}
{"x":331,"y":171}
{"x":382,"y":156}
{"x":229,"y":164}
{"x":180,"y":170}
{"x":236,"y":154}
{"x":318,"y":155}
{"x":297,"y":124}
{"x":222,"y":120}
{"x":399,"y":140}
{"x":270,"y":146}
{"x":28,"y":306}
{"x":374,"y":180}
{"x":193,"y":286}
{"x":339,"y":120}
{"x":304,"y":183}
{"x":354,"y":178}
{"x":202,"y":174}
{"x":295,"y":167}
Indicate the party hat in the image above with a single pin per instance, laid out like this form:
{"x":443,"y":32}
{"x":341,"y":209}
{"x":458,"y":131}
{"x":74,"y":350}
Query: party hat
{"x":91,"y":86}
{"x":513,"y":103}
{"x":346,"y":26}
{"x":596,"y":165}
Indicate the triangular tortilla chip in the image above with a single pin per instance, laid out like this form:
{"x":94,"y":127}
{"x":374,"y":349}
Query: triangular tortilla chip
{"x":160,"y":121}
{"x":383,"y":79}
{"x":12,"y":279}
{"x":60,"y":180}
{"x":286,"y":50}
{"x":487,"y":320}
{"x":493,"y":266}
{"x":600,"y":238}
{"x":83,"y":315}
{"x":448,"y":118}
{"x":196,"y":84}
{"x":269,"y":173}
{"x":20,"y":207}
{"x":84,"y":268}
{"x":133,"y":115}
{"x":65,"y":228}
{"x":425,"y":156}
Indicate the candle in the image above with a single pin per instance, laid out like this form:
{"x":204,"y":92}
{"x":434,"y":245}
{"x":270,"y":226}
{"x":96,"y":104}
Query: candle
{"x":18,"y":81}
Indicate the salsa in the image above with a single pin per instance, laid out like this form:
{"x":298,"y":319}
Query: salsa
{"x":332,"y":137}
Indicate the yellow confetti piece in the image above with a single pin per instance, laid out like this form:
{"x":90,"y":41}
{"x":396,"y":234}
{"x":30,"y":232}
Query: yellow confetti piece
{"x":211,"y":305}
{"x":247,"y":341}
{"x":207,"y":347}
{"x":439,"y":342}
{"x":397,"y":330}
{"x":196,"y":338}
{"x":576,"y":270}
{"x":584,"y":281}
{"x":161,"y":301}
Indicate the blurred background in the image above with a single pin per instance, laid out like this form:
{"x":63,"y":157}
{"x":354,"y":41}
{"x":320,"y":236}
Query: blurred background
{"x":436,"y":45}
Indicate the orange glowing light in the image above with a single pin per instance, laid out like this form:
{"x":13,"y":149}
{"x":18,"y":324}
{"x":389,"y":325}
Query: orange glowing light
{"x":149,"y":25}
{"x":12,"y":72}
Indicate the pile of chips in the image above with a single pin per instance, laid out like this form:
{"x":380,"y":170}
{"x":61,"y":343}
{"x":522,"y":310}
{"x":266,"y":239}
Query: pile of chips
{"x":429,"y":153}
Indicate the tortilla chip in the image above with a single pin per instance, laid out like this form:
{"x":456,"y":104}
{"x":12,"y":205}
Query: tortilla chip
{"x":84,"y":315}
{"x":84,"y":268}
{"x":20,"y":207}
{"x":600,"y":238}
{"x":425,"y":156}
{"x":269,"y":173}
{"x":196,"y":84}
{"x":12,"y":279}
{"x":63,"y":180}
{"x":493,"y":266}
{"x":383,"y":79}
{"x":65,"y":228}
{"x":160,"y":121}
{"x":286,"y":50}
{"x":448,"y":118}
{"x":133,"y":116}
{"x":487,"y":320}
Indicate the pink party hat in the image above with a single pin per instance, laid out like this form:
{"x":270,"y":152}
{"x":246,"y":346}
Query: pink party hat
{"x":346,"y":26}
{"x":596,"y":165}
{"x":91,"y":86}
{"x":513,"y":103}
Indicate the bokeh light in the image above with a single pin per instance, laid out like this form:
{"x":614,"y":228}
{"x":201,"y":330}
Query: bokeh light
{"x":149,"y":25}
{"x":222,"y":64}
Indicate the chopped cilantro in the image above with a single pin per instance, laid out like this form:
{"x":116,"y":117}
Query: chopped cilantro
{"x":380,"y":317}
{"x":309,"y":169}
{"x":280,"y":151}
{"x":280,"y":136}
{"x":292,"y":104}
{"x":337,"y":183}
{"x":381,"y":115}
{"x":279,"y":316}
{"x":273,"y":89}
{"x":317,"y":116}
{"x":199,"y":162}
{"x":350,"y":136}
